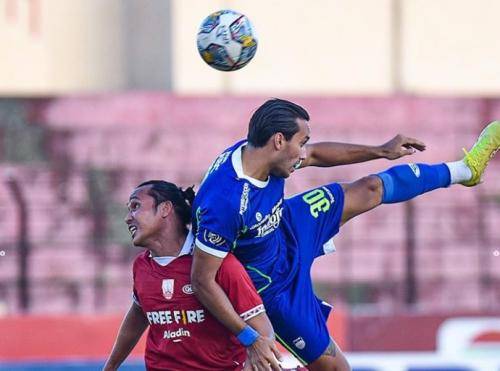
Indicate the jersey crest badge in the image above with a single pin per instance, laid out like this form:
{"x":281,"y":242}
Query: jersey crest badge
{"x":167,"y":286}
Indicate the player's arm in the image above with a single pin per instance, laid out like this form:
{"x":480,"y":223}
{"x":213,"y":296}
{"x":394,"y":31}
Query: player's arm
{"x":130,"y":332}
{"x":238,"y":286}
{"x":212,"y":296}
{"x":263,"y":326}
{"x":210,"y":293}
{"x":326,"y":154}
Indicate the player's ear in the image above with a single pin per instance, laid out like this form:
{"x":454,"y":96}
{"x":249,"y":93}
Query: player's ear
{"x":278,"y":141}
{"x":165,"y":208}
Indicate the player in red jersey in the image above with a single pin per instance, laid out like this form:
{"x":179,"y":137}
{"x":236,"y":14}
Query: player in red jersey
{"x":182,"y":335}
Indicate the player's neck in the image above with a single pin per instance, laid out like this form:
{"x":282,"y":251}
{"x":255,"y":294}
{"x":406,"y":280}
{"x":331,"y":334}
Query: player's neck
{"x":167,"y":245}
{"x":255,"y":162}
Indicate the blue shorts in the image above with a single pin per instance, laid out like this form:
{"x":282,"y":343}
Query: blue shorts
{"x":310,"y":219}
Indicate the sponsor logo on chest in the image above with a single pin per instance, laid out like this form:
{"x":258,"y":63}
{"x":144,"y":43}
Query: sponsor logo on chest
{"x":187,"y":289}
{"x":176,"y":334}
{"x":168,"y":317}
{"x":167,"y":288}
{"x":268,"y":223}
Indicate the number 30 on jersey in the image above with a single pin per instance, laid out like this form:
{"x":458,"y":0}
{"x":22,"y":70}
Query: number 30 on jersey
{"x":317,"y":202}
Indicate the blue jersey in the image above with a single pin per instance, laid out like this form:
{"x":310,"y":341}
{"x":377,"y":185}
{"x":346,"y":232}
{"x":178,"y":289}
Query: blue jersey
{"x":277,"y":241}
{"x":238,"y":214}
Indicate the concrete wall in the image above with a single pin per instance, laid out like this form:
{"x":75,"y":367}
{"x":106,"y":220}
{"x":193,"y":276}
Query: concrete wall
{"x":335,"y":47}
{"x":59,"y":46}
{"x":351,"y":47}
{"x":339,"y":46}
{"x":450,"y":47}
{"x":147,"y":27}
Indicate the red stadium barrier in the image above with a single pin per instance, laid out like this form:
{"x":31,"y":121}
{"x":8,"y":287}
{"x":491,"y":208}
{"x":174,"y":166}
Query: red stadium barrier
{"x":25,"y":338}
{"x":56,"y":337}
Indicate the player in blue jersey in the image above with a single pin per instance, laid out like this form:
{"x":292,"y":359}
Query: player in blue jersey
{"x":240,"y":207}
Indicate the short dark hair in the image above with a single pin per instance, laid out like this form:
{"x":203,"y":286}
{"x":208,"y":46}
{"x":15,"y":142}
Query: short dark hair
{"x":182,"y":200}
{"x":274,"y":116}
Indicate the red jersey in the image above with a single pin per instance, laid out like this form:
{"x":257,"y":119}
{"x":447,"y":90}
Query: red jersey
{"x":183,"y":335}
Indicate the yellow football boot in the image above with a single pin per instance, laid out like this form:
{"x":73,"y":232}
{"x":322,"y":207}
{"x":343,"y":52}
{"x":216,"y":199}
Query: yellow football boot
{"x":481,"y":152}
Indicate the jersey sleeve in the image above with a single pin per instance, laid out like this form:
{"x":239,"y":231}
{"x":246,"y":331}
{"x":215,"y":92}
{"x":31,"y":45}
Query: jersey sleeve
{"x":239,"y":288}
{"x":218,"y":223}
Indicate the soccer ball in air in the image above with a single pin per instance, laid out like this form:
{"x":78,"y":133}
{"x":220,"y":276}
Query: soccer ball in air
{"x":226,"y":40}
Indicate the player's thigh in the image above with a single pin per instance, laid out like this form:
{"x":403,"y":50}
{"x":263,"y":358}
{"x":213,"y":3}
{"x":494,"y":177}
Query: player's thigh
{"x":314,"y":216}
{"x":332,"y":359}
{"x":299,"y":323}
{"x":361,"y":196}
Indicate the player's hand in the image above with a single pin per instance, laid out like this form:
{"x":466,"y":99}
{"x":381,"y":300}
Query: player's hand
{"x":400,"y":146}
{"x":263,"y":355}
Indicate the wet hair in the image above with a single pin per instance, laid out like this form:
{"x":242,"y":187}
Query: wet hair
{"x":275,"y":116}
{"x":182,"y":199}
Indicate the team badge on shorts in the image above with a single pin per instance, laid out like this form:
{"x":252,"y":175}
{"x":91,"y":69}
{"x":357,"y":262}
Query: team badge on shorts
{"x":299,"y":343}
{"x":167,"y":286}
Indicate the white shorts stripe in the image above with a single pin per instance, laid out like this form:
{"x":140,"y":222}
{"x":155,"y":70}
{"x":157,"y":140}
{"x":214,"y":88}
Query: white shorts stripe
{"x":329,"y":247}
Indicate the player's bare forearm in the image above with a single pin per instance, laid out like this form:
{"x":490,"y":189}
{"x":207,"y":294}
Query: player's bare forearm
{"x":209,"y":292}
{"x":325,"y":154}
{"x":130,"y":332}
{"x":262,"y":325}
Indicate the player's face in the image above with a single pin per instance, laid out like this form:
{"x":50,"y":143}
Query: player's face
{"x":143,"y":219}
{"x":293,"y":152}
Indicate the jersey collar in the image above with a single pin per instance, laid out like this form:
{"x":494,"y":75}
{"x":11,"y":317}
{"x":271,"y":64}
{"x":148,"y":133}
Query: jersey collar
{"x":238,"y":168}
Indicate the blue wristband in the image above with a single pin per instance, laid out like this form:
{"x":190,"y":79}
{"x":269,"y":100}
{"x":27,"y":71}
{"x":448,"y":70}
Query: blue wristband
{"x":247,"y":336}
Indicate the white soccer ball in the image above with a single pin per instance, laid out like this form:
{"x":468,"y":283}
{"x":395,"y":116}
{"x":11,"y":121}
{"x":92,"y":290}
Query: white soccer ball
{"x":226,"y":40}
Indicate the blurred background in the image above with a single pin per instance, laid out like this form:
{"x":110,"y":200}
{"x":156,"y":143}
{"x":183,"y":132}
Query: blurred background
{"x":97,"y":96}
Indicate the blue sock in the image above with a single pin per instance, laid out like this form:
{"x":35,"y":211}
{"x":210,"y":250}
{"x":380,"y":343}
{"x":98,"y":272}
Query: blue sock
{"x":403,"y":182}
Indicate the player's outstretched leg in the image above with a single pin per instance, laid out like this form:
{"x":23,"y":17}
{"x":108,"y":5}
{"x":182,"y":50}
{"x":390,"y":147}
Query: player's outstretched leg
{"x":404,"y":182}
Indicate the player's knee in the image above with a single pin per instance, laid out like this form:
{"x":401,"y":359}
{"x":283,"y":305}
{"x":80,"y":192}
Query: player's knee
{"x":373,"y":183}
{"x":373,"y":187}
{"x":329,"y":363}
{"x":332,"y":359}
{"x":361,"y":196}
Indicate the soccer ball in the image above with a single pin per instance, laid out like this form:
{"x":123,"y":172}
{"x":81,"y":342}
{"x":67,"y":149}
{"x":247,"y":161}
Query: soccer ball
{"x":226,"y":40}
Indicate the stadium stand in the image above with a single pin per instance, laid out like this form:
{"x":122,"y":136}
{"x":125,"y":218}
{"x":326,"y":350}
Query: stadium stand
{"x":95,"y":149}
